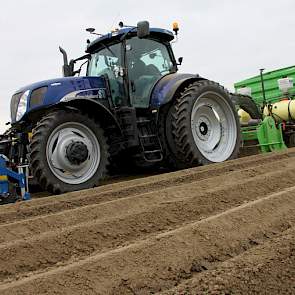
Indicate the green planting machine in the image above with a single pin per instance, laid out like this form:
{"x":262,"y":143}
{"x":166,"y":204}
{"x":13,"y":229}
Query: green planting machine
{"x":266,"y":107}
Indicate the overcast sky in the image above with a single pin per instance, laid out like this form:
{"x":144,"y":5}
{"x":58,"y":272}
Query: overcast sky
{"x":223,"y":40}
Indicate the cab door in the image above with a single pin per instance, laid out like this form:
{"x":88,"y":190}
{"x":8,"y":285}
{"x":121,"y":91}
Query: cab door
{"x":147,"y":61}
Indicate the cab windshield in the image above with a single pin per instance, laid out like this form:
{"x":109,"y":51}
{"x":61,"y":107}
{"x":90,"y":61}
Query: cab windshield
{"x":107,"y":62}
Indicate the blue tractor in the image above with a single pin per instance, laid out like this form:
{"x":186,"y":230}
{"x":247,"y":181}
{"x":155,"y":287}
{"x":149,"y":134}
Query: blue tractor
{"x":131,"y":107}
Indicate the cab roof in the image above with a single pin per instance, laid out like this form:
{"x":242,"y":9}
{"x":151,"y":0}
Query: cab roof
{"x":108,"y":39}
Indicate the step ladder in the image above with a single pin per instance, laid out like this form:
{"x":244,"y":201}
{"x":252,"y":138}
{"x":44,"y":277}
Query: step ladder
{"x":149,"y":141}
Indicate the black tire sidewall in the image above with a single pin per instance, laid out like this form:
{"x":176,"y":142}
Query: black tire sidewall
{"x":175,"y":160}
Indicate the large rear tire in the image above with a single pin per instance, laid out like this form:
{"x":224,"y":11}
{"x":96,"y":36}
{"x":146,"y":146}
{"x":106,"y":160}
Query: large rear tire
{"x":170,"y":161}
{"x":68,"y":152}
{"x":205,"y":125}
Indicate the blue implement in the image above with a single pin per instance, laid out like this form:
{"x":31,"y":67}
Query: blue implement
{"x":17,"y":178}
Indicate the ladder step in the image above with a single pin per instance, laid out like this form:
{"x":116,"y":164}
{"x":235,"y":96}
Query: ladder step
{"x":152,"y":152}
{"x":147,"y":136}
{"x":143,"y":121}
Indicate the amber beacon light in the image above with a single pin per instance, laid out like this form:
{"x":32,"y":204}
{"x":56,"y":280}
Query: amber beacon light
{"x":175,"y":27}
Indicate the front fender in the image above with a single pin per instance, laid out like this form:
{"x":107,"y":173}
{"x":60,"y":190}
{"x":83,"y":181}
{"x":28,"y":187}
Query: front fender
{"x":91,"y":107}
{"x":166,"y":88}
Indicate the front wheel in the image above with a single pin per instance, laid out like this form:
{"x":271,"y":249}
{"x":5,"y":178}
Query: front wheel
{"x":205,"y":125}
{"x":68,"y":152}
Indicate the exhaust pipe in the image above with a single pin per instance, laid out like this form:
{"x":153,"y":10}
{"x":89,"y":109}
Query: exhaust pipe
{"x":66,"y":69}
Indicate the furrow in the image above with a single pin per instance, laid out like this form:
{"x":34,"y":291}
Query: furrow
{"x":50,"y":205}
{"x":162,"y":261}
{"x":268,"y":268}
{"x":120,"y":207}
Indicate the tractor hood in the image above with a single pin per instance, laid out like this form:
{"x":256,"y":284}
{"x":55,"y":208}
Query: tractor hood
{"x":46,"y":93}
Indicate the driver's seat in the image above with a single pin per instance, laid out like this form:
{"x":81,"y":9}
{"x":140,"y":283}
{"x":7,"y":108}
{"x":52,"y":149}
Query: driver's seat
{"x":152,"y":70}
{"x":142,"y":76}
{"x":138,"y":69}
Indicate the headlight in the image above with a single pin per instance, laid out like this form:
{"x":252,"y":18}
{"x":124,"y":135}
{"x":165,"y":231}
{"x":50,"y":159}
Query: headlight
{"x":22,"y":105}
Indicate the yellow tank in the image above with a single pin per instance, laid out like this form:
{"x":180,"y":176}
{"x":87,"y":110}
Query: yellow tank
{"x":282,"y":111}
{"x":244,"y":116}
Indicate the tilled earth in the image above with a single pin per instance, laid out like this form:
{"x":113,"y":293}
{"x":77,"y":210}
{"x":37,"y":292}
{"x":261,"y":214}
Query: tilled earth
{"x":226,"y":228}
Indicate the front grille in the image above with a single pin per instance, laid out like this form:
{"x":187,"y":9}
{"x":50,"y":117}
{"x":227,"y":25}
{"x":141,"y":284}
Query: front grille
{"x":37,"y":96}
{"x":14,"y":104}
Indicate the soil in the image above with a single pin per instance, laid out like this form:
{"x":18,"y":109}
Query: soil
{"x":226,"y":228}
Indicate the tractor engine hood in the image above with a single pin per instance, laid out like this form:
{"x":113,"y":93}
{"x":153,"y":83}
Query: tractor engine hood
{"x":47,"y":93}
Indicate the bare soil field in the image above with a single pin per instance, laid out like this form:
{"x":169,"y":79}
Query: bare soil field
{"x":226,"y":228}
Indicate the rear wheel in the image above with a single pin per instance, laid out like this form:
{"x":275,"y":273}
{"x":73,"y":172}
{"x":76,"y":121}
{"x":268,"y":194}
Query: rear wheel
{"x":205,"y":125}
{"x":68,"y":152}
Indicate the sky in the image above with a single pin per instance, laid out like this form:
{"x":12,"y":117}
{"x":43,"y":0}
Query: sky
{"x":222,"y":40}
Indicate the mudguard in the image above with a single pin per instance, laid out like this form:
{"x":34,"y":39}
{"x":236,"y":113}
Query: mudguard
{"x":97,"y":109}
{"x":166,"y":88}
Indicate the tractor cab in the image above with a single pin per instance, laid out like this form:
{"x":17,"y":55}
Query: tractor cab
{"x":132,"y":64}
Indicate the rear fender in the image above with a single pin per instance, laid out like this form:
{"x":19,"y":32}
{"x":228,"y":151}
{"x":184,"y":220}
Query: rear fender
{"x":167,"y":88}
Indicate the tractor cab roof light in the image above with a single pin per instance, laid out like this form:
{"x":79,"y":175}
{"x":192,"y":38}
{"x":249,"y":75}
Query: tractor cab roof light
{"x":175,"y":26}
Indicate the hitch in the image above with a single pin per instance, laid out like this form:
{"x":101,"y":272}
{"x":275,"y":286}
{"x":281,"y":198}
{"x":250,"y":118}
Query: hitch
{"x":13,"y":185}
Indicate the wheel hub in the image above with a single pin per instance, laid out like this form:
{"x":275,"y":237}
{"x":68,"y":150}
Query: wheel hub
{"x":203,"y":128}
{"x":77,"y":152}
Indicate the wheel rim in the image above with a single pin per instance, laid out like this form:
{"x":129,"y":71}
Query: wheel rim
{"x":69,"y":136}
{"x":214,"y":127}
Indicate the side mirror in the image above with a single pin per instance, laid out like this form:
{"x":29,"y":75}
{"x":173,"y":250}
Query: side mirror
{"x":180,"y":60}
{"x":143,"y":29}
